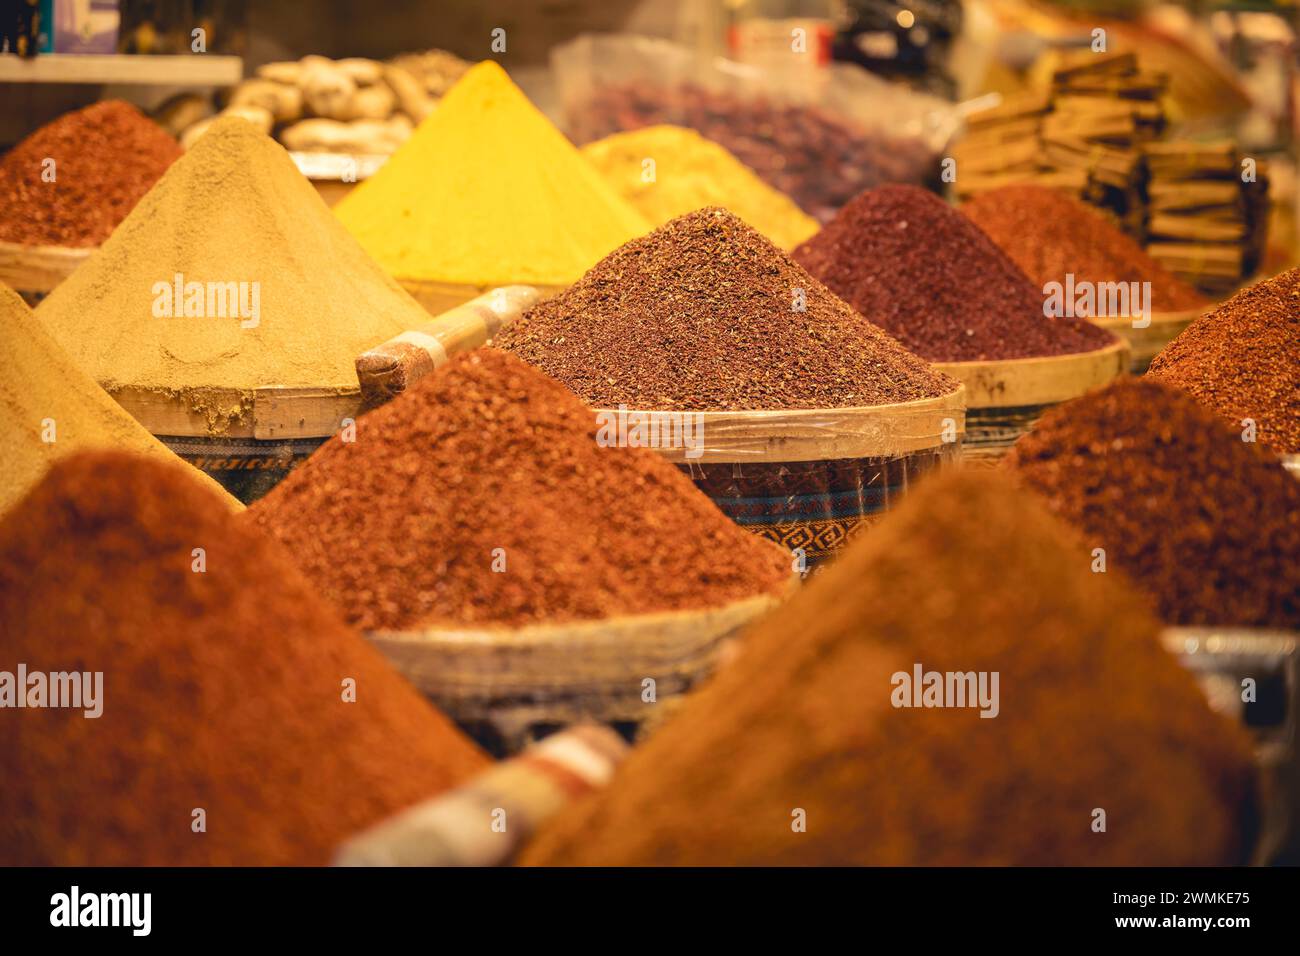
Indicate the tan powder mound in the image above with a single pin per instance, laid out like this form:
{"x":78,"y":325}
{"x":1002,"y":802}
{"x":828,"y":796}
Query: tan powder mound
{"x":42,"y":389}
{"x":968,"y":575}
{"x":232,"y":209}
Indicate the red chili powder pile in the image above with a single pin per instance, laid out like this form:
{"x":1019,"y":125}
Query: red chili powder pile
{"x":1243,"y":361}
{"x":1049,"y":235}
{"x":105,"y":157}
{"x":480,"y":497}
{"x":928,"y":276}
{"x":1206,"y":525}
{"x":222,"y":691}
{"x":798,"y":753}
{"x":705,"y":313}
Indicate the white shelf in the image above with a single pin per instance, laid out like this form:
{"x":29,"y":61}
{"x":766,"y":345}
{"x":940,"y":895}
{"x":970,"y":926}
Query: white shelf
{"x":199,"y":69}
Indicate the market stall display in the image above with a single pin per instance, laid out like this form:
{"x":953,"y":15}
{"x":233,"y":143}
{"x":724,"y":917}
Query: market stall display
{"x":65,"y":188}
{"x":929,"y":277}
{"x":811,"y":421}
{"x":486,"y":193}
{"x":226,"y":312}
{"x":1102,"y":716}
{"x":227,"y":685}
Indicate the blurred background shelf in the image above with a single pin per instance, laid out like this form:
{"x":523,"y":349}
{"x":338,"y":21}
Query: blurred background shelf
{"x":127,"y":69}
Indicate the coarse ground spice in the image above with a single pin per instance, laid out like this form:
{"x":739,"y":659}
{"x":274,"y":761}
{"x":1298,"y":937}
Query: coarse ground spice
{"x":1243,"y":361}
{"x":918,"y":268}
{"x":222,"y":690}
{"x":1049,"y":235}
{"x":967,"y":575}
{"x":701,"y":314}
{"x":233,"y":209}
{"x":487,"y":192}
{"x":49,"y":408}
{"x":402,"y":527}
{"x":1206,"y":525}
{"x":106,"y":157}
{"x":689,"y":172}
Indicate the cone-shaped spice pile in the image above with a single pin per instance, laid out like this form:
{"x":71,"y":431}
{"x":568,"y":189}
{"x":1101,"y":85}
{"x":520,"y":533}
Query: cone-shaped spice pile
{"x":226,"y":735}
{"x":487,"y":192}
{"x":704,"y":313}
{"x":795,"y":753}
{"x":1207,"y":525}
{"x":1049,"y":235}
{"x":72,"y":181}
{"x":481,"y":497}
{"x":49,"y":407}
{"x":1243,"y":361}
{"x":234,"y":209}
{"x":926,"y":274}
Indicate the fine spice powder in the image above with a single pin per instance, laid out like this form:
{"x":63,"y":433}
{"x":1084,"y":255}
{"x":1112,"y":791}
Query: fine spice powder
{"x":918,"y":268}
{"x":1207,"y":525}
{"x":1243,"y":361}
{"x":796,"y":753}
{"x":668,"y":171}
{"x":1049,"y":235}
{"x":480,"y":497}
{"x":234,"y":210}
{"x":224,"y":690}
{"x":73,"y":180}
{"x":705,"y":313}
{"x":487,"y":192}
{"x":49,"y":407}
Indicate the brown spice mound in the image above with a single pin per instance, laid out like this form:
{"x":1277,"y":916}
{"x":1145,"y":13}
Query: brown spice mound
{"x":967,"y":575}
{"x":699,"y":315}
{"x":106,"y":157}
{"x":222,"y":690}
{"x":1049,"y":234}
{"x":1208,"y":526}
{"x":400,"y":528}
{"x":1243,"y":361}
{"x":926,"y":274}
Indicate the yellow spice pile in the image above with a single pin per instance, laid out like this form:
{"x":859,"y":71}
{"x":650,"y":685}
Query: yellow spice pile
{"x":487,"y":192}
{"x":668,"y":171}
{"x":234,"y":209}
{"x":49,"y":408}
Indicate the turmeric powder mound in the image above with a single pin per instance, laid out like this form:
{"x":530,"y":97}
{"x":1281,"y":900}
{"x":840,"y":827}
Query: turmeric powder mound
{"x":800,"y":751}
{"x":668,"y":171}
{"x":49,"y":407}
{"x":486,"y":191}
{"x":232,"y":697}
{"x":231,"y":273}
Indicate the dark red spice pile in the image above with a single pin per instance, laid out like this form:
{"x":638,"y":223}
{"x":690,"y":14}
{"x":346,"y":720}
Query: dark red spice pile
{"x":1208,"y":526}
{"x":106,"y":157}
{"x":1243,"y":361}
{"x":926,"y":274}
{"x":222,"y":690}
{"x":699,"y":315}
{"x":1049,"y":234}
{"x":968,"y":575}
{"x":402,"y":527}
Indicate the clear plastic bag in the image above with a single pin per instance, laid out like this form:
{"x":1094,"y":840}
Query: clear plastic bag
{"x":821,"y":145}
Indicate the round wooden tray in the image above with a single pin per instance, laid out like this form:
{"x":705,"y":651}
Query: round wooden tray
{"x":36,"y":270}
{"x":1013,"y":383}
{"x":818,"y":434}
{"x":508,"y":686}
{"x":440,"y":297}
{"x":1146,"y":343}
